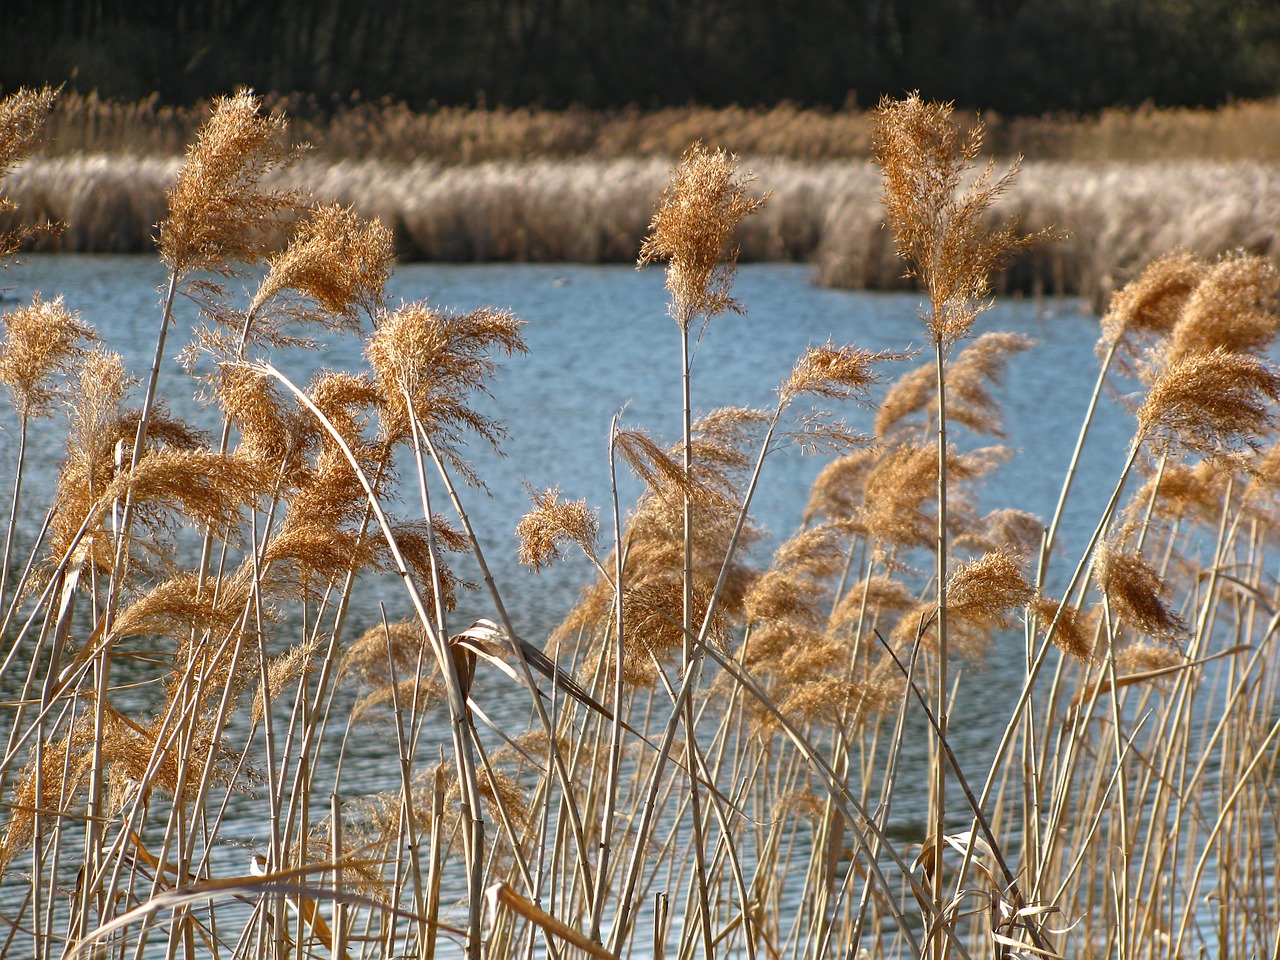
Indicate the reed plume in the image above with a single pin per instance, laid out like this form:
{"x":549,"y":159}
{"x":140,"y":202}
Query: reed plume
{"x":22,"y":117}
{"x":940,"y":231}
{"x":553,"y":523}
{"x":697,"y":214}
{"x":41,"y":339}
{"x":219,"y":214}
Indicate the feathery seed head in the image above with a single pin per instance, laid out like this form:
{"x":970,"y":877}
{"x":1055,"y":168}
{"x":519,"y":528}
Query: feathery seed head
{"x":1232,"y":309}
{"x":1148,"y":307}
{"x":1072,"y":635}
{"x":552,"y":523}
{"x":969,"y":377}
{"x":940,"y":232}
{"x":835,"y":373}
{"x":436,"y":360}
{"x":22,"y":115}
{"x":1143,"y":657}
{"x":1216,"y":404}
{"x":697,"y":214}
{"x":334,"y":259}
{"x":219,"y":216}
{"x":40,"y":339}
{"x":983,"y":591}
{"x":1014,"y":531}
{"x":837,"y":490}
{"x":1187,"y":492}
{"x":1136,"y":592}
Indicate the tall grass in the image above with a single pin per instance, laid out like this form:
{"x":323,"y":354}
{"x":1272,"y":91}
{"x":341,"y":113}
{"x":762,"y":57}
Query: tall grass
{"x":721,"y":759}
{"x":593,"y":211}
{"x":392,"y":132}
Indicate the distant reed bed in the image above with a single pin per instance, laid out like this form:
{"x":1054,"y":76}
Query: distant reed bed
{"x":596,"y":211}
{"x":391,"y":131}
{"x":715,"y":754}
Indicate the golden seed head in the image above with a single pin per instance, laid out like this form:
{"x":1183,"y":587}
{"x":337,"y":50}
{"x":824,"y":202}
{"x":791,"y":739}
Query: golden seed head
{"x":697,"y":214}
{"x":1216,"y":404}
{"x":1142,"y":657}
{"x":1136,"y":592}
{"x":552,"y":523}
{"x":1072,"y":634}
{"x":1232,"y":309}
{"x":837,"y":490}
{"x":969,"y":378}
{"x":834,"y":373}
{"x":982,"y":592}
{"x":941,"y":233}
{"x":219,"y":217}
{"x":40,"y":339}
{"x":22,"y":116}
{"x":1149,"y":306}
{"x":427,"y":363}
{"x":334,"y":259}
{"x":1015,"y":531}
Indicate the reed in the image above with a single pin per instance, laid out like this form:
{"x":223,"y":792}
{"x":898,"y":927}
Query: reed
{"x":595,"y":211}
{"x":723,"y":756}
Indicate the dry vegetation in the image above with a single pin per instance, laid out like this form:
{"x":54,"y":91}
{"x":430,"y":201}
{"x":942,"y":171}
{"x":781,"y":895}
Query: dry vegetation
{"x":721,"y":758}
{"x":531,"y":185}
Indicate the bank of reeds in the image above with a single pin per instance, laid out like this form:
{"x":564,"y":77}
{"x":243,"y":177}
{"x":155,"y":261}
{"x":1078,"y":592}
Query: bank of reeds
{"x":722,"y":757}
{"x":391,"y":131}
{"x":595,"y":211}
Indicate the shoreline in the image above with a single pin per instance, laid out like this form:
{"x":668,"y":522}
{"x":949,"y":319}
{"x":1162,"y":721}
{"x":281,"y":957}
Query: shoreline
{"x":1116,"y":216}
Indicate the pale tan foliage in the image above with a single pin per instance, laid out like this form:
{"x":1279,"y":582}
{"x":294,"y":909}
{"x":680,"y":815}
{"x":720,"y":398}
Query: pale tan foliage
{"x":22,"y":117}
{"x":1136,"y":592}
{"x":941,"y":232}
{"x":1215,"y":404}
{"x":219,"y":215}
{"x":40,"y":339}
{"x":335,"y":260}
{"x":552,"y":523}
{"x":204,"y":487}
{"x":911,"y":393}
{"x":1232,"y":310}
{"x":50,"y":786}
{"x":1148,"y":307}
{"x":697,"y":214}
{"x":430,"y":362}
{"x":417,"y":691}
{"x":1072,"y":634}
{"x":319,"y":553}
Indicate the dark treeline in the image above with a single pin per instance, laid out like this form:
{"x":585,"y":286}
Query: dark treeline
{"x":1014,"y":56}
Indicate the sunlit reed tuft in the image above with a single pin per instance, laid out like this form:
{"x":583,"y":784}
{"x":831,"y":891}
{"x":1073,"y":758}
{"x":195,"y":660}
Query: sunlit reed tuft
{"x":698,"y":213}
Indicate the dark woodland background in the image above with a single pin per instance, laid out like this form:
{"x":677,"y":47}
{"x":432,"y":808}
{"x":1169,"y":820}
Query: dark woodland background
{"x":1013,"y":56}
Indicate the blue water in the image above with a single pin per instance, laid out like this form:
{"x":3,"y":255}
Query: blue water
{"x":600,"y":342}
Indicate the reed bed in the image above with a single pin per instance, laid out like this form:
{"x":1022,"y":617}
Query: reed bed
{"x":594,"y":211}
{"x":722,"y":756}
{"x":393,"y":132}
